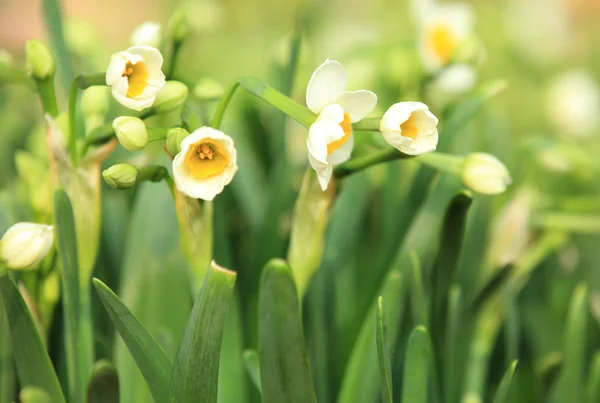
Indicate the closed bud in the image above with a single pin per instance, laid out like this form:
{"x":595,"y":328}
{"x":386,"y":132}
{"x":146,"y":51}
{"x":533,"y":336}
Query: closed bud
{"x":484,"y":173}
{"x":147,"y":34}
{"x":40,"y":63}
{"x":6,"y":59}
{"x":25,"y":244}
{"x":131,"y":132}
{"x":171,"y":97}
{"x":174,"y":137}
{"x":95,"y":101}
{"x":179,"y":26}
{"x":120,"y":176}
{"x":207,"y":88}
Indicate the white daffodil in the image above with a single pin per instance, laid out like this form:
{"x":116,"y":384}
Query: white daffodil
{"x":573,"y":103}
{"x":330,"y":138}
{"x":25,"y":244}
{"x":206,"y":163}
{"x":455,"y":80}
{"x":444,"y":27}
{"x":146,"y":34}
{"x":485,"y":174}
{"x":135,"y":76}
{"x":410,"y":128}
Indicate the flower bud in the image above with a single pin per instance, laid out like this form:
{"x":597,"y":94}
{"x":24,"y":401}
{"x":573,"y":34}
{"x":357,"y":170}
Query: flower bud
{"x":6,"y":59}
{"x":171,"y":97}
{"x":179,"y":26}
{"x":95,"y":101}
{"x":131,"y":132}
{"x":25,"y":244}
{"x":174,"y":137}
{"x":120,"y":176}
{"x":207,"y":88}
{"x":484,"y":173}
{"x":40,"y":63}
{"x":147,"y":34}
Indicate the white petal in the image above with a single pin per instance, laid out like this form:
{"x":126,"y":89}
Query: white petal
{"x":343,"y":153}
{"x":395,"y":139}
{"x":133,"y":103}
{"x":421,"y":145}
{"x":326,"y":85}
{"x":317,"y":152}
{"x":398,"y":114}
{"x":357,"y":104}
{"x":116,"y":66}
{"x":456,"y":79}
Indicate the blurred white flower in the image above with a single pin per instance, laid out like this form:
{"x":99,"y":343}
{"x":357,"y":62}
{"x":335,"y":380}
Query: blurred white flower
{"x":455,"y":79}
{"x":25,"y":244}
{"x":147,"y":34}
{"x":206,"y":163}
{"x":573,"y":103}
{"x":485,"y":174}
{"x":443,"y":28}
{"x":135,"y":76}
{"x":410,"y":127}
{"x":330,"y":138}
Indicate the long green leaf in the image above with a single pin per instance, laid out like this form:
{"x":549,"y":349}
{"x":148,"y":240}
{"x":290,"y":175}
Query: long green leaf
{"x":451,"y":374}
{"x":155,"y":365}
{"x":252,"y":367}
{"x":417,"y":365}
{"x":33,"y":364}
{"x":67,"y":252}
{"x":502,"y":393}
{"x":593,"y":382}
{"x":284,"y":371}
{"x":53,"y":19}
{"x":196,"y":370}
{"x":570,"y":384}
{"x":383,"y":354}
{"x":104,"y":384}
{"x":7,"y":370}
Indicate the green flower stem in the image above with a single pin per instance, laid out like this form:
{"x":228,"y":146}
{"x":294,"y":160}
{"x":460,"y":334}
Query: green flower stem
{"x":152,"y":173}
{"x":157,"y":133}
{"x":367,"y":125}
{"x":443,"y":162}
{"x":47,"y":95}
{"x":258,"y":88}
{"x":570,"y":222}
{"x":11,"y":75}
{"x":82,"y":82}
{"x":358,"y":164}
{"x":171,"y":70}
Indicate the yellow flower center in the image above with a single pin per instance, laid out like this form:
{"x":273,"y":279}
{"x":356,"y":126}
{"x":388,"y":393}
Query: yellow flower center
{"x":443,"y":41}
{"x":347,"y":127}
{"x":207,"y":158}
{"x":409,"y":128}
{"x":137,"y":75}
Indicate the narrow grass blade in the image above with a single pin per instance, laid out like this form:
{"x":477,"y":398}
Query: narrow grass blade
{"x":417,"y":366}
{"x":419,"y":302}
{"x":54,"y":24}
{"x":67,"y":252}
{"x":502,"y":394}
{"x":453,"y":322}
{"x":32,"y":394}
{"x":253,"y":367}
{"x":33,"y":364}
{"x":284,"y":371}
{"x":570,"y":383}
{"x":196,"y":370}
{"x":593,"y":381}
{"x":104,"y":384}
{"x":154,"y":363}
{"x":361,"y":380}
{"x":383,"y":353}
{"x":233,"y":379}
{"x":7,"y":368}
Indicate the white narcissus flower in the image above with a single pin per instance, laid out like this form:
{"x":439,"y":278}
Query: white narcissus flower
{"x":573,"y":103}
{"x":410,"y":128}
{"x":485,"y":174}
{"x":135,"y":76}
{"x":206,"y":163}
{"x":456,"y":79}
{"x":330,"y":138}
{"x":443,"y":28}
{"x":25,"y":244}
{"x":146,"y":34}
